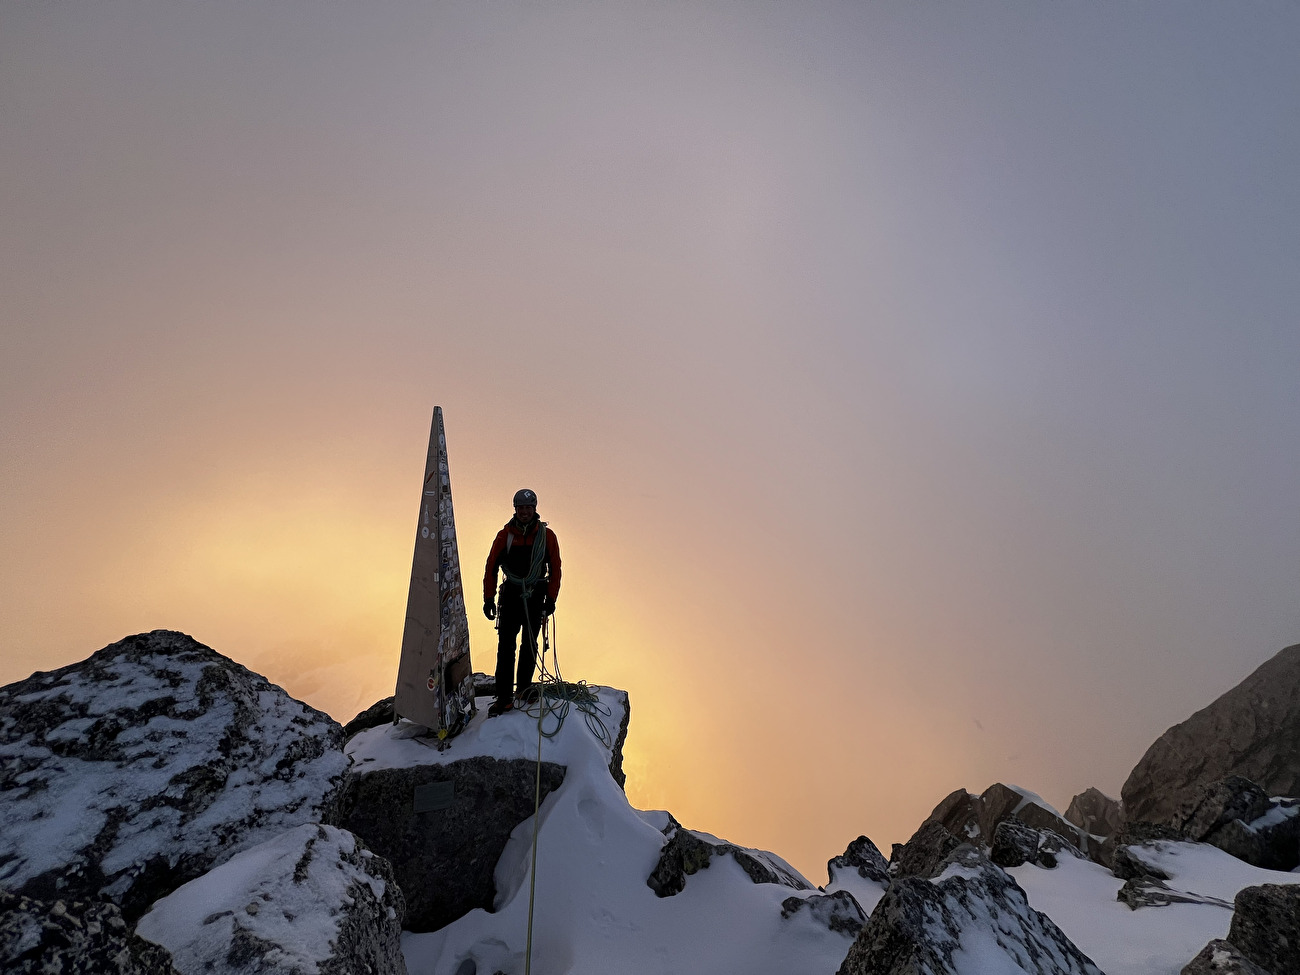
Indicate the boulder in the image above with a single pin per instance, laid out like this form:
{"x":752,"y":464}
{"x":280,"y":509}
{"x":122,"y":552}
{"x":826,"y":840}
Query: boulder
{"x":1215,"y":805}
{"x":925,"y":854}
{"x":1150,"y":891}
{"x":1253,"y":730}
{"x":443,"y":827}
{"x":1238,"y":817}
{"x":974,"y":819}
{"x":687,"y":852}
{"x":972,"y":909}
{"x":73,"y":938}
{"x":1015,"y":843}
{"x":1266,"y":927}
{"x":838,"y":911}
{"x":861,"y":857}
{"x":1095,"y":813}
{"x":311,"y":900}
{"x":1221,"y":958}
{"x":381,"y":712}
{"x":143,"y":766}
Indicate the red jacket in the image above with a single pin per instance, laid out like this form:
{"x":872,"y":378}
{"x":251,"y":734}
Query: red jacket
{"x":513,"y":548}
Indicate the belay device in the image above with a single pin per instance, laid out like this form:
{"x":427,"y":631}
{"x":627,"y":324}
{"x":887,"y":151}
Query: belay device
{"x":435,"y":680}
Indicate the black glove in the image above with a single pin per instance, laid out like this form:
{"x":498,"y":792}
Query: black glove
{"x":548,"y":606}
{"x":489,"y":610}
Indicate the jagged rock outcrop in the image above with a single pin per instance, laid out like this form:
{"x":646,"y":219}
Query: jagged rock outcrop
{"x":1150,"y":891}
{"x":381,"y":712}
{"x":972,"y":907}
{"x":974,"y":819}
{"x":1253,"y":730}
{"x":839,"y":911}
{"x":311,"y":901}
{"x":442,"y":827}
{"x":143,"y":766}
{"x":1221,"y":958}
{"x":1145,"y":884}
{"x":1095,"y":813}
{"x":73,"y":938}
{"x":687,"y":852}
{"x":925,"y":854}
{"x":1240,"y":818}
{"x":1266,"y":927}
{"x":861,"y":857}
{"x":1015,"y":843}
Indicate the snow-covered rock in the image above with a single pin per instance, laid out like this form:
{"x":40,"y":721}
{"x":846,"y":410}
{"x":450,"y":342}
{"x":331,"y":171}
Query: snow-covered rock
{"x":1219,"y":957}
{"x":311,"y":901}
{"x":73,"y":938}
{"x":1081,"y":897}
{"x":138,"y":769}
{"x":443,"y":826}
{"x":925,"y":854}
{"x":972,"y":919}
{"x":1015,"y":843}
{"x":593,"y":912}
{"x":975,"y":819}
{"x":860,"y":857}
{"x":688,"y":851}
{"x":838,"y":911}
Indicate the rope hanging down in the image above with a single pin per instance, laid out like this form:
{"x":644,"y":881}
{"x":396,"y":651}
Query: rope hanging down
{"x":555,"y":698}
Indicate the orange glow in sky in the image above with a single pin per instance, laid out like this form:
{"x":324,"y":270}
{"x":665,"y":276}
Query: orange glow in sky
{"x":912,"y":389}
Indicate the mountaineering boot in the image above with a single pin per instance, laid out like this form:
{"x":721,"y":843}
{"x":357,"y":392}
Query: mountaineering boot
{"x":529,"y":693}
{"x":500,"y":706}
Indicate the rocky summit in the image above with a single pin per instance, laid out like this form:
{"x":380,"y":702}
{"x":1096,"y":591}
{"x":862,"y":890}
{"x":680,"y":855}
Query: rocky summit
{"x":1253,"y":731}
{"x":143,"y":766}
{"x":163,"y":810}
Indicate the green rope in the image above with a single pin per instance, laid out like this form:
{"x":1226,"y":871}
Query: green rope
{"x":555,"y":699}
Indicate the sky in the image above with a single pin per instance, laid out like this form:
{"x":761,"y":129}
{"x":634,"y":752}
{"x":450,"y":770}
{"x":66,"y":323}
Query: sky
{"x":915,"y":382}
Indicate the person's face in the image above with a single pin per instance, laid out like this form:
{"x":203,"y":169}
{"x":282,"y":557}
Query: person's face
{"x":525,"y":512}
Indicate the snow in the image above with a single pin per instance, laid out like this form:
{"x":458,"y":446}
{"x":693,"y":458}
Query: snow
{"x":58,"y":804}
{"x":255,"y":890}
{"x":594,"y":912}
{"x":866,"y":892}
{"x":1079,"y":896}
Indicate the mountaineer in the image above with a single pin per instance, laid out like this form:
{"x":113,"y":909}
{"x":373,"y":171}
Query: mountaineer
{"x":526,"y":551}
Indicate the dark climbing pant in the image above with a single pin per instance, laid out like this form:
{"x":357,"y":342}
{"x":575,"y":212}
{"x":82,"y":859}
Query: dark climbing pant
{"x":511,"y":621}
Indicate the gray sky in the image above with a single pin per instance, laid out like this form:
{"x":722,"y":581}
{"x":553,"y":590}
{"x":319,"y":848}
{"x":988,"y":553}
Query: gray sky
{"x":914,"y":381}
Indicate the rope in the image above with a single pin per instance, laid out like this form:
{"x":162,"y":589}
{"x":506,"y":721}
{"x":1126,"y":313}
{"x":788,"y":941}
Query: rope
{"x":555,"y":698}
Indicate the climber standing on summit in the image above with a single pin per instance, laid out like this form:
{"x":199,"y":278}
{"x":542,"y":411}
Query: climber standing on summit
{"x":526,"y":551}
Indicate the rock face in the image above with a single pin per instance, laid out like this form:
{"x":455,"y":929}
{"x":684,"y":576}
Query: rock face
{"x":73,"y":938}
{"x":925,"y":854}
{"x":687,"y":852}
{"x":861,"y":857}
{"x":972,"y":918}
{"x":1015,"y":843}
{"x":974,"y":819}
{"x":443,"y":828}
{"x":1253,"y":731}
{"x":138,"y":769}
{"x":1221,"y":958}
{"x":1266,"y":927}
{"x":311,"y":900}
{"x":1239,"y":817}
{"x":1095,"y":812}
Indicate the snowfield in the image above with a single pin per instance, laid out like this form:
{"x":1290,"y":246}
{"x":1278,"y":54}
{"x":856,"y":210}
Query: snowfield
{"x":594,"y":912}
